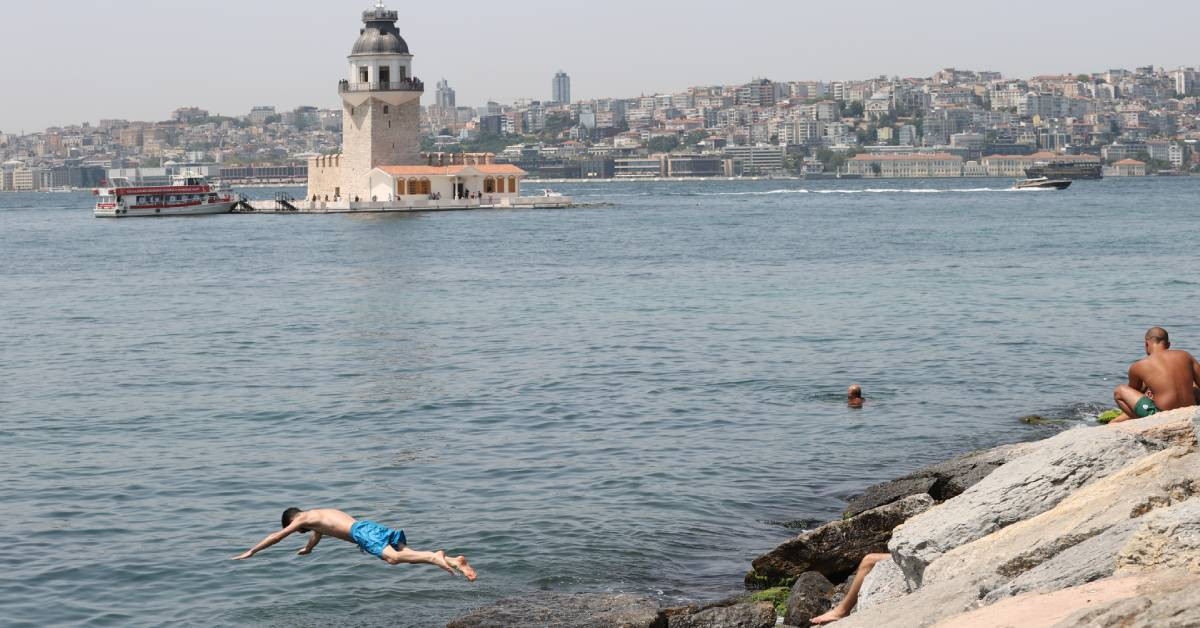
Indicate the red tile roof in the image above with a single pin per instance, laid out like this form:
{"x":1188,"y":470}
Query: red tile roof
{"x":906,"y":157}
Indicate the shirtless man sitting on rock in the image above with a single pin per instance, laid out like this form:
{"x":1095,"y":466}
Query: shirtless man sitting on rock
{"x":1166,"y":379}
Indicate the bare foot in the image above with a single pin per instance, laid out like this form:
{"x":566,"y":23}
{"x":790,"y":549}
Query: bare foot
{"x":462,"y":565}
{"x":828,"y":618}
{"x":439,"y":559}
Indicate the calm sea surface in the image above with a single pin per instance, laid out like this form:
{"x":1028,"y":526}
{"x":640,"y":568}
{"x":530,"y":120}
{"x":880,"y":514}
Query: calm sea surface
{"x":622,"y":398}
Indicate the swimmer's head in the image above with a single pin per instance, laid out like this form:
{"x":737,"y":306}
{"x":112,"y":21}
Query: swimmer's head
{"x":289,"y":515}
{"x":854,"y":392}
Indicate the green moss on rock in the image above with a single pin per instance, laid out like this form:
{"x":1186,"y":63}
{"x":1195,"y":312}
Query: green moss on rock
{"x":777,"y":596}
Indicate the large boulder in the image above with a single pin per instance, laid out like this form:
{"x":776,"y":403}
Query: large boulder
{"x":1160,"y":479}
{"x":566,"y":610}
{"x":1142,"y":518}
{"x":942,"y":481}
{"x":1024,"y":487}
{"x":811,"y":596}
{"x":885,"y":582}
{"x":836,"y":548}
{"x":749,"y":615}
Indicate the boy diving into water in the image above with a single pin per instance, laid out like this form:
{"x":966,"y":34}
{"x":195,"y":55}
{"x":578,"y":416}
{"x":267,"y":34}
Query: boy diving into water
{"x":387,"y":544}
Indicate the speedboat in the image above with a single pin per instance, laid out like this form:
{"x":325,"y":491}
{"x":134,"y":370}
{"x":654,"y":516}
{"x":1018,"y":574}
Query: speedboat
{"x":1043,"y":183}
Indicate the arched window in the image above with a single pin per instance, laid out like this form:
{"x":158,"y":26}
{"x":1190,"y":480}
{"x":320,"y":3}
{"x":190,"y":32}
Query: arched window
{"x":489,"y":186}
{"x":499,"y":185}
{"x":412,"y":186}
{"x":512,"y":185}
{"x":426,"y":187}
{"x":400,"y":189}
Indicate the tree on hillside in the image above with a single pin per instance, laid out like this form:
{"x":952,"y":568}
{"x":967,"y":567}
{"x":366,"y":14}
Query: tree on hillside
{"x":662,"y":144}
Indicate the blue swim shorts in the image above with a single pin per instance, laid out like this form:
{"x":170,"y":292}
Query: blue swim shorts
{"x":372,"y":537}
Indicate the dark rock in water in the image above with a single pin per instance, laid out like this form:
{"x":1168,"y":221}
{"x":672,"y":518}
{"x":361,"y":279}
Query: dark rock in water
{"x":835,"y":549}
{"x":949,"y":478}
{"x":1034,"y":419}
{"x":750,"y":615}
{"x":810,"y":597}
{"x":888,"y":492}
{"x":799,"y":524}
{"x":566,"y":610}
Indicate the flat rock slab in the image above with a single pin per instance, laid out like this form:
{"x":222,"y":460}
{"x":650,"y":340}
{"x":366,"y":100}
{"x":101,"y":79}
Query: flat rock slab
{"x":1175,"y":428}
{"x":1048,"y":609}
{"x":942,"y":481}
{"x":1026,"y":486}
{"x":835,"y":549}
{"x":751,"y":615}
{"x":888,"y":492}
{"x":566,"y":610}
{"x":1168,"y":599}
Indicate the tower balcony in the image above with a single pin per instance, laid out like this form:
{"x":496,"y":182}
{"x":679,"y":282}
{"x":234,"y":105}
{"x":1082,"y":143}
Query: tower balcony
{"x":402,"y":85}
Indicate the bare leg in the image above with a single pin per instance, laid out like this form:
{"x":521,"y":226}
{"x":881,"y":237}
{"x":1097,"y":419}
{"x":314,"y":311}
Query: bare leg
{"x":408,"y":556}
{"x":1126,"y":397}
{"x":847,"y":604}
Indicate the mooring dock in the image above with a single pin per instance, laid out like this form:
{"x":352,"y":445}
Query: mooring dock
{"x":284,"y":204}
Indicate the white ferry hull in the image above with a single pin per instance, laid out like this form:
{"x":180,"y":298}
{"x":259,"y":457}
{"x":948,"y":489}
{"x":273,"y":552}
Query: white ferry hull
{"x":220,"y":207}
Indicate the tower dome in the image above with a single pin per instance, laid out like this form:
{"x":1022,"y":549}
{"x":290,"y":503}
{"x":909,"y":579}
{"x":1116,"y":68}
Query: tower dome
{"x":380,"y":36}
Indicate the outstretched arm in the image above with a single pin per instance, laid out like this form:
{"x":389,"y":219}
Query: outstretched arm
{"x":270,"y":540}
{"x":312,"y":542}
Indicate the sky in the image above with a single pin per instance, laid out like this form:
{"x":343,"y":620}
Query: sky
{"x":75,"y":61}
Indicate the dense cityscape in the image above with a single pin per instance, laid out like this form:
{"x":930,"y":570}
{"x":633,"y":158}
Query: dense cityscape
{"x":955,"y":123}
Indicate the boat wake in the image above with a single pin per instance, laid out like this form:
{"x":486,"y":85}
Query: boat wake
{"x":862,"y":191}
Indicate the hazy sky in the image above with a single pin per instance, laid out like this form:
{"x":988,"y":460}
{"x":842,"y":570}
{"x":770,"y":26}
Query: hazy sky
{"x":83,"y":60}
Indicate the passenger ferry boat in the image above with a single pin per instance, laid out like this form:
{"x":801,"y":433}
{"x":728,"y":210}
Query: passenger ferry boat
{"x":188,"y":195}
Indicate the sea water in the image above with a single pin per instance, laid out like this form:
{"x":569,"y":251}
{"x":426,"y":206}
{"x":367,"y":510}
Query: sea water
{"x":626,"y":397}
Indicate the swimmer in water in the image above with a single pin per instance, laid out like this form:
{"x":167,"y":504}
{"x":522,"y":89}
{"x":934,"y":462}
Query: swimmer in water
{"x":854,"y":396}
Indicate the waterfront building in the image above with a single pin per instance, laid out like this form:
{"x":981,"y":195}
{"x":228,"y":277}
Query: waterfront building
{"x":905,"y":166}
{"x":26,"y":179}
{"x":699,"y":166}
{"x":562,"y":88}
{"x":757,"y":160}
{"x":639,"y":167}
{"x":1128,"y":168}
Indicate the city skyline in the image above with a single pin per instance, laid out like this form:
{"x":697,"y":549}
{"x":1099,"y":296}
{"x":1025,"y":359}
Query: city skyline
{"x":263,"y":64}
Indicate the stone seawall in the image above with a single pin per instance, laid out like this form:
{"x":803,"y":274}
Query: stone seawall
{"x":1096,"y":526}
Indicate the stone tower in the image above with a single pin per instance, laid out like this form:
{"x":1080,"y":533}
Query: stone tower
{"x":381,"y":103}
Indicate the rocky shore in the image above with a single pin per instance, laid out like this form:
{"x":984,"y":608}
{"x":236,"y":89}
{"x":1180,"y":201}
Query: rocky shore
{"x":1096,"y":526}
